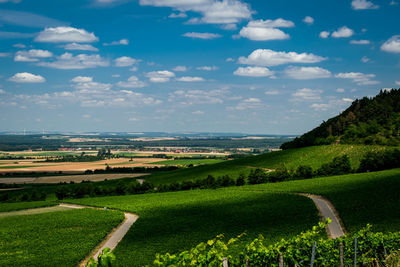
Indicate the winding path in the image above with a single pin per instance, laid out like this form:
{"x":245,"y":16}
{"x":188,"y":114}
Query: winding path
{"x":336,"y":228}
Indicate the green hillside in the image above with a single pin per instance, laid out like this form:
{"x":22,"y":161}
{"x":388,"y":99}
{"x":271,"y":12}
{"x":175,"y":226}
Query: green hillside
{"x":367,"y":121}
{"x":313,"y":156}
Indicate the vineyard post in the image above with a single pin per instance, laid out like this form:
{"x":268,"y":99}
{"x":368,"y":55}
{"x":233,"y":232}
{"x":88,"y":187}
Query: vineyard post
{"x":313,"y":254}
{"x":247,"y":263}
{"x":280,"y":260}
{"x":341,"y":253}
{"x":355,"y":252}
{"x":225,"y":262}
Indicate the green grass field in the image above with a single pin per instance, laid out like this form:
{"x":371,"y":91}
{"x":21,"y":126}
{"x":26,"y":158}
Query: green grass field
{"x":185,"y":162}
{"x":359,"y":198}
{"x":25,"y":205}
{"x":172,"y":222}
{"x":312,"y":156}
{"x":60,"y":238}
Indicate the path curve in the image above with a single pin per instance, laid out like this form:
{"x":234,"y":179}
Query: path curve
{"x":336,"y":228}
{"x":113,"y":238}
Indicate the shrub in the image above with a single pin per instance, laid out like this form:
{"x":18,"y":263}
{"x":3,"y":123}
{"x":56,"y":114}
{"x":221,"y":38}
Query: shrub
{"x":241,"y":180}
{"x":257,"y":176}
{"x":339,"y":165}
{"x":304,"y":171}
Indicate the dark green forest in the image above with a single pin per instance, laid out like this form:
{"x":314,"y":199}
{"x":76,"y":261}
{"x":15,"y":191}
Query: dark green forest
{"x":367,"y":121}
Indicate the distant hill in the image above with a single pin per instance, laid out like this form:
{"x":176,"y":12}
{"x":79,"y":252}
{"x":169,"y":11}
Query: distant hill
{"x":367,"y":121}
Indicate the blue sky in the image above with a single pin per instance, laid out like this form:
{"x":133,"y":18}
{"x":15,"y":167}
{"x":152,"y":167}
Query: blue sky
{"x":271,"y":67}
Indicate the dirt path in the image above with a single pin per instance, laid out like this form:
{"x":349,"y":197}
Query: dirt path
{"x":33,"y":211}
{"x":336,"y":228}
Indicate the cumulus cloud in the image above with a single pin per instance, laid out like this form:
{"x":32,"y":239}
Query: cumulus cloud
{"x":68,"y":61}
{"x":324,"y":34}
{"x":309,"y":20}
{"x":82,"y":79}
{"x":306,"y":94}
{"x":132,"y":82}
{"x":397,"y":83}
{"x":5,"y":54}
{"x":177,"y":15}
{"x":320,"y":106}
{"x":340,"y":90}
{"x":160,"y":76}
{"x":343,"y":32}
{"x":268,"y":57}
{"x":196,"y":97}
{"x":254,"y":72}
{"x":272,"y":92}
{"x":347,"y":100}
{"x":363,"y":4}
{"x":32,"y":55}
{"x":120,"y":42}
{"x":65,"y":35}
{"x":26,"y":77}
{"x":249,"y":103}
{"x":360,"y":42}
{"x":125,"y":61}
{"x":207,"y":68}
{"x":392,"y":45}
{"x":212,"y":11}
{"x":82,"y":47}
{"x":180,"y":68}
{"x":265,"y":30}
{"x":358,"y":77}
{"x":365,"y":59}
{"x":306,"y":73}
{"x":198,"y":112}
{"x":190,"y":79}
{"x":202,"y":35}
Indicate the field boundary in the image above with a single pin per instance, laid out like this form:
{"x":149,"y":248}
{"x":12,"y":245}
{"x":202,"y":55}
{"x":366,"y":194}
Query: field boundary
{"x":326,"y":210}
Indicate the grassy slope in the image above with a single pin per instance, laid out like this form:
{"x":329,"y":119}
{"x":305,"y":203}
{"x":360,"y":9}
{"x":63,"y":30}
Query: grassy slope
{"x":313,"y":156}
{"x":359,"y":198}
{"x":53,"y":239}
{"x":188,"y":162}
{"x":25,"y":205}
{"x":172,"y":222}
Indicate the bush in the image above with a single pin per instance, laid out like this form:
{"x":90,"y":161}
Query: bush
{"x":257,"y":176}
{"x":304,"y":171}
{"x":380,"y":160}
{"x":279,"y":175}
{"x":241,"y":180}
{"x":339,"y":165}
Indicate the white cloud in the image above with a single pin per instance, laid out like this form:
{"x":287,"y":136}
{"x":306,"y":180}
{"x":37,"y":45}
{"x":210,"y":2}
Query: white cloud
{"x":249,"y":103}
{"x":25,"y":77}
{"x":267,"y":57}
{"x":347,"y":100}
{"x":180,"y":68}
{"x":19,"y":45}
{"x":190,"y":79}
{"x":125,"y":61}
{"x":305,"y":73}
{"x":82,"y":61}
{"x":2,"y":91}
{"x":397,"y":83}
{"x":178,"y":15}
{"x":207,"y":68}
{"x":82,"y":47}
{"x":324,"y":34}
{"x":115,"y":75}
{"x":343,"y":32}
{"x":11,"y":1}
{"x":392,"y":45}
{"x":120,"y":42}
{"x":358,"y":77}
{"x":132,"y":82}
{"x":320,"y":106}
{"x":65,"y":35}
{"x":198,"y":112}
{"x":365,"y":59}
{"x":360,"y":42}
{"x":82,"y":79}
{"x":229,"y":59}
{"x":263,"y":34}
{"x":212,"y":11}
{"x":5,"y":54}
{"x":202,"y":35}
{"x":306,"y":94}
{"x":309,"y":20}
{"x":253,"y":72}
{"x":134,"y":68}
{"x":193,"y":97}
{"x":363,"y":4}
{"x":265,"y":30}
{"x":160,"y":76}
{"x":32,"y":55}
{"x":340,"y":90}
{"x":86,"y":116}
{"x":133,"y":119}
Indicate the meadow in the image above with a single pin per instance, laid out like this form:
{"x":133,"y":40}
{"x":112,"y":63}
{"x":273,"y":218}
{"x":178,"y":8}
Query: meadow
{"x":60,"y":238}
{"x":186,"y":162}
{"x":4,"y":207}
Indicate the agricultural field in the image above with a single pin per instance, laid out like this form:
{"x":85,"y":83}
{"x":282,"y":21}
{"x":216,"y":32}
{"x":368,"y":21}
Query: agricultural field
{"x":4,"y":207}
{"x":61,"y":238}
{"x":312,"y":156}
{"x":171,"y":222}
